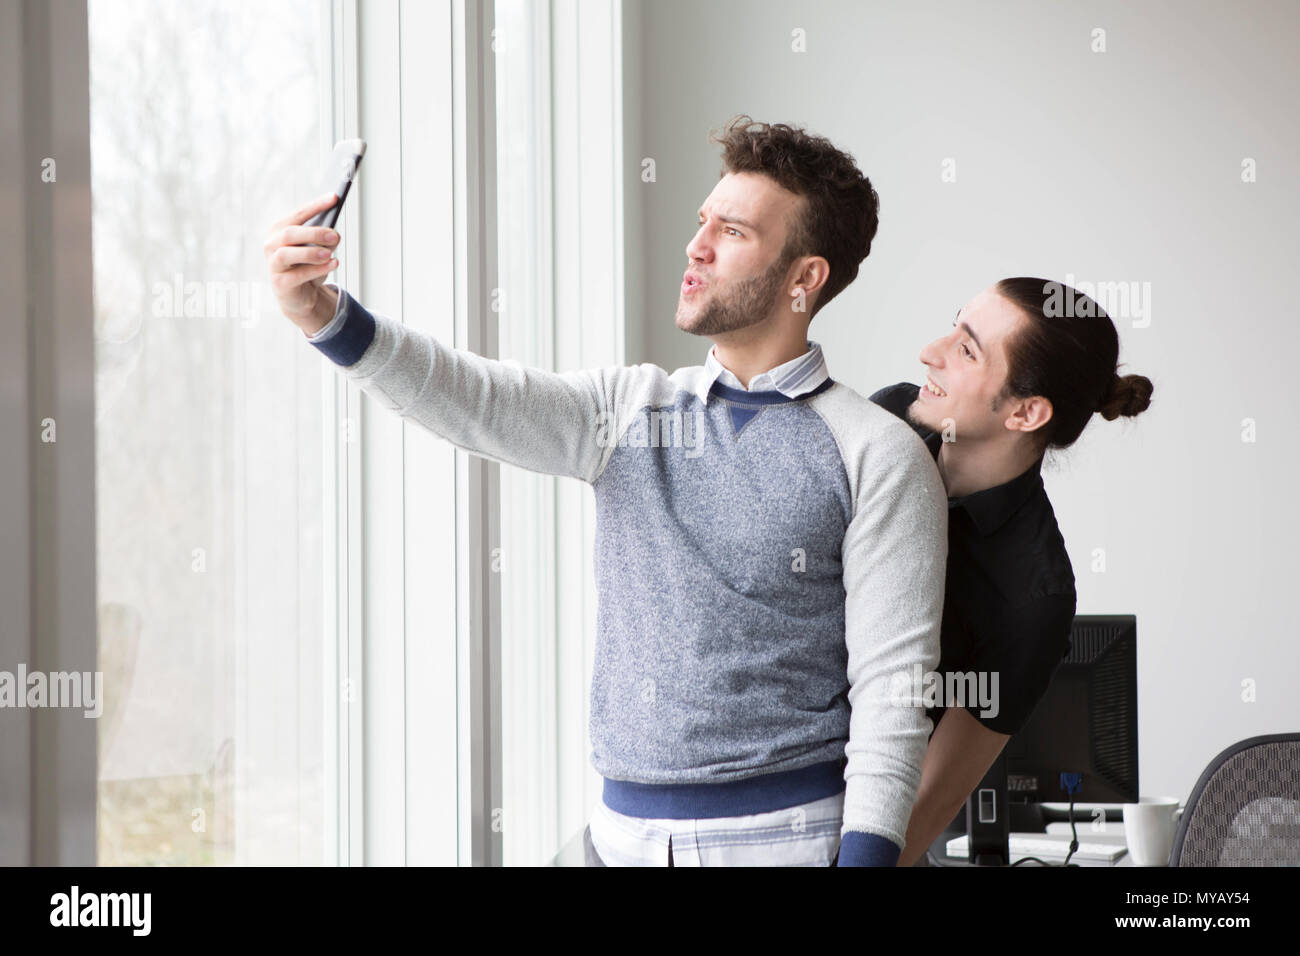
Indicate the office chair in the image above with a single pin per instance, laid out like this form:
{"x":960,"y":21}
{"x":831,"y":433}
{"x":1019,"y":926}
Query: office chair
{"x":1245,"y":808}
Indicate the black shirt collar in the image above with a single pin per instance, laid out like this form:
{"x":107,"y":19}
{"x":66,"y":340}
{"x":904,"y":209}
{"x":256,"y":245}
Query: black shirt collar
{"x":991,"y":508}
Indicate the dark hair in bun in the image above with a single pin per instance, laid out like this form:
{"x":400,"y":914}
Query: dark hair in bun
{"x":1067,"y":352}
{"x":1129,"y":395}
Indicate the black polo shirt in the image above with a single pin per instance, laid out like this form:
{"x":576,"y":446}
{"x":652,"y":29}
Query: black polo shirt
{"x":1010,"y":597}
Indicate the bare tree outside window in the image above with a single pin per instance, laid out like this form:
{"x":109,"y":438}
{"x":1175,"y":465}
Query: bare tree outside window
{"x":205,"y":126}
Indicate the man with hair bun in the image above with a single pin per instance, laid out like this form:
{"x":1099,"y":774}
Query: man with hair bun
{"x":1015,"y":377}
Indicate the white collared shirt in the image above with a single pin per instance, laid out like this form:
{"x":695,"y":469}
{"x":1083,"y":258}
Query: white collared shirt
{"x":792,"y":379}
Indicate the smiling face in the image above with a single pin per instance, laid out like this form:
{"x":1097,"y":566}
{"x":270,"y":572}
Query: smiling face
{"x":736,"y":272}
{"x":967,"y":369}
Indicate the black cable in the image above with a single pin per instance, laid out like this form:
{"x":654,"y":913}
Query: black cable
{"x":1074,"y":834}
{"x":1074,"y":843}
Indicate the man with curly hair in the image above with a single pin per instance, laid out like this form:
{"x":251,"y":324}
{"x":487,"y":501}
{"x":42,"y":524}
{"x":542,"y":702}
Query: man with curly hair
{"x":770,"y":545}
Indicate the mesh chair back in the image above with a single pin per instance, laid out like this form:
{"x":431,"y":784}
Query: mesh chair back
{"x":1245,"y":808}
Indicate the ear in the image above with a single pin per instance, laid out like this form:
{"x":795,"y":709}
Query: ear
{"x":811,"y":273}
{"x":1028,"y":414}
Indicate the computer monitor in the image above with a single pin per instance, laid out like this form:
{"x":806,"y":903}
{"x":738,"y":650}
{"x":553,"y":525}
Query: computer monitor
{"x":1084,"y":728}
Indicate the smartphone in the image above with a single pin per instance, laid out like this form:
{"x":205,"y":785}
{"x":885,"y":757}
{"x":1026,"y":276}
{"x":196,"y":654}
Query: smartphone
{"x":340,"y":171}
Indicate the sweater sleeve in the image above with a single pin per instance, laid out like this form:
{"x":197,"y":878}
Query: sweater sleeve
{"x":554,"y":423}
{"x":894,"y":561}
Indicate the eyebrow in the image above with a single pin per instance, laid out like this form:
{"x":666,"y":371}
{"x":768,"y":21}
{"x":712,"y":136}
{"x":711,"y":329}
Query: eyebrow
{"x":969,"y":331}
{"x":731,"y":217}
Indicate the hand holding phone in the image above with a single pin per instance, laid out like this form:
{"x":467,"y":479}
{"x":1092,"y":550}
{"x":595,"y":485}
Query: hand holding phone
{"x":341,"y":170}
{"x":299,"y":249}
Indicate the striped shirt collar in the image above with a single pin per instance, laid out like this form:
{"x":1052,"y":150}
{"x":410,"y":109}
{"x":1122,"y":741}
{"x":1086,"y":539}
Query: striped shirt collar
{"x":792,"y":379}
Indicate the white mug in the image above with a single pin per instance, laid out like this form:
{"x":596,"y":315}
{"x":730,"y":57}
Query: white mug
{"x":1149,"y":828}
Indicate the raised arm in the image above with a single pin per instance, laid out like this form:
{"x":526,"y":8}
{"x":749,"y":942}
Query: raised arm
{"x":559,"y":424}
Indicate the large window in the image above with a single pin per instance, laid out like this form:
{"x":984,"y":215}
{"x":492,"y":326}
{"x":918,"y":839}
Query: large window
{"x":205,"y":127}
{"x":300,"y":595}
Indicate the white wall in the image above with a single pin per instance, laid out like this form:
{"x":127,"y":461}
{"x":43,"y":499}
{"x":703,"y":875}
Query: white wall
{"x":1108,"y":167}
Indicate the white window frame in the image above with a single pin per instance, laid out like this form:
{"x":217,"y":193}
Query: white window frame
{"x":418,"y":607}
{"x":424,"y":224}
{"x":418,"y":522}
{"x":588,"y":133}
{"x":565,"y":310}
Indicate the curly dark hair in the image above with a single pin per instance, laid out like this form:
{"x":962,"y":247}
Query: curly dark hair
{"x":841,"y":209}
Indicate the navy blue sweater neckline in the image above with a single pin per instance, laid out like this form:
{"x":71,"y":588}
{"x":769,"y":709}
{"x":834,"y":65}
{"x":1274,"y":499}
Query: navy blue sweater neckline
{"x":743,"y":397}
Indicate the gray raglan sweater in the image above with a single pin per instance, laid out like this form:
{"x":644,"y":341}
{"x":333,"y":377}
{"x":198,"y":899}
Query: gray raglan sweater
{"x":767,"y":569}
